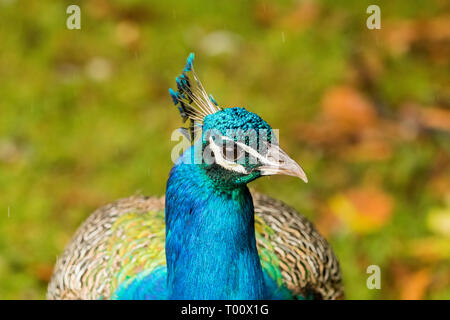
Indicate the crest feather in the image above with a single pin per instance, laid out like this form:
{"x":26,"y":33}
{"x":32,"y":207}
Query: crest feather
{"x":191,"y":98}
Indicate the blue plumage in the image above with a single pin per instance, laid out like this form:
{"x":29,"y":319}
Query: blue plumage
{"x":200,"y":220}
{"x":213,"y":100}
{"x":189,"y":63}
{"x":209,"y":210}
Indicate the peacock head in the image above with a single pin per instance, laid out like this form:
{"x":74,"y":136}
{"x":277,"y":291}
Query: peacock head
{"x":232,"y":145}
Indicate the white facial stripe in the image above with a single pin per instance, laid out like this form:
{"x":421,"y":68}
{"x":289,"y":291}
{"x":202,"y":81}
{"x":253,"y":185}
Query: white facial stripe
{"x":275,"y":162}
{"x":221,"y":161}
{"x":254,"y":153}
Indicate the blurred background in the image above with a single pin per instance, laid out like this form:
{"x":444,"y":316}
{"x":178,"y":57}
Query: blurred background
{"x":85,"y":119}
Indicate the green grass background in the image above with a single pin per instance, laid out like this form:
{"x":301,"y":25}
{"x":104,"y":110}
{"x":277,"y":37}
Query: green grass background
{"x":85,"y":118}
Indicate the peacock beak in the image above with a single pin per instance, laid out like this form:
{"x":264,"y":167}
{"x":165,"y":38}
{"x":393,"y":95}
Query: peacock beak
{"x":276,"y":161}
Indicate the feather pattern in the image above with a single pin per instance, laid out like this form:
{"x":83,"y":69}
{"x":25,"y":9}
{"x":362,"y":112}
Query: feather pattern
{"x":125,"y":240}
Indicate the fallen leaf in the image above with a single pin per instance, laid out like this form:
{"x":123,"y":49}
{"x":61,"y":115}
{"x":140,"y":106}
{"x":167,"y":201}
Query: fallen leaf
{"x":264,"y":13}
{"x":436,"y":29}
{"x":43,"y":271}
{"x":327,"y":223}
{"x":414,"y":285}
{"x":364,"y":210}
{"x":100,"y":8}
{"x":438,"y":221}
{"x":430,"y":249}
{"x":436,"y":118}
{"x":347,"y":108}
{"x":302,"y":15}
{"x":369,"y":149}
{"x":440,"y":185}
{"x":398,"y":36}
{"x":127,"y":33}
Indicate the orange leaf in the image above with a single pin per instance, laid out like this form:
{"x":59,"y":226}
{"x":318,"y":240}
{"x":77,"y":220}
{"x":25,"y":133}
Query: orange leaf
{"x":348,"y":108}
{"x":364,"y":210}
{"x":436,"y":118}
{"x":414,"y":286}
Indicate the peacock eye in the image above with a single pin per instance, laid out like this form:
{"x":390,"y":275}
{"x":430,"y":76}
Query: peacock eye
{"x":232,"y":152}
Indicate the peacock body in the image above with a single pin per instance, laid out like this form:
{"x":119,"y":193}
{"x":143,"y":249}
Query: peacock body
{"x":210,"y":237}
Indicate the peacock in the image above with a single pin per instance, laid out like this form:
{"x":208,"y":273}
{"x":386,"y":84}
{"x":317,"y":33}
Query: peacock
{"x":210,"y":237}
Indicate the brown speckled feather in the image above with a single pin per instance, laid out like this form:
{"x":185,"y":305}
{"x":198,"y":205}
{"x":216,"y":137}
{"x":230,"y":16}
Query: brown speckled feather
{"x":89,"y":268}
{"x":307,"y":262}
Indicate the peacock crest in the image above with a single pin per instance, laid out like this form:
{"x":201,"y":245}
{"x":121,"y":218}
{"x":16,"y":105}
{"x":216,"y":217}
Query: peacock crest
{"x":191,"y":99}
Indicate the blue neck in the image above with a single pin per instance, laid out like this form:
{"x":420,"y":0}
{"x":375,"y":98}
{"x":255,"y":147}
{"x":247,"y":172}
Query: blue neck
{"x":210,"y":239}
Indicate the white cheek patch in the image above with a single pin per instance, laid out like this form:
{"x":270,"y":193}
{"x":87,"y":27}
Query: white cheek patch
{"x":271,"y":159}
{"x":221,"y":161}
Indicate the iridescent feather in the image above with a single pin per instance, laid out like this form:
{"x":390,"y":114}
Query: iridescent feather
{"x":125,"y":240}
